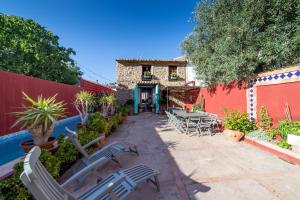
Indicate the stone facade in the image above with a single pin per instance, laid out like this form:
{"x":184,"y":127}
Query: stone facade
{"x":129,"y":72}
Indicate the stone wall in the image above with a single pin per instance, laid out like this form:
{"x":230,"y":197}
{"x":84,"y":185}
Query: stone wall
{"x":124,"y":95}
{"x":129,"y":74}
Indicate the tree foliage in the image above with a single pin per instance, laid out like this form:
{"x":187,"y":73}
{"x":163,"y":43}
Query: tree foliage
{"x":28,"y":48}
{"x":234,"y":39}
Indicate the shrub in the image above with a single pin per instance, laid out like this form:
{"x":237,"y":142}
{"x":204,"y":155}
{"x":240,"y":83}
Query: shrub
{"x":129,"y":102}
{"x":85,"y":136}
{"x":272,"y":132}
{"x":108,"y":128}
{"x":13,"y":188}
{"x":286,"y":127}
{"x":66,"y":152}
{"x":123,"y":110}
{"x":96,"y":122}
{"x":265,"y":119}
{"x":284,"y":144}
{"x":200,"y":105}
{"x":238,"y":121}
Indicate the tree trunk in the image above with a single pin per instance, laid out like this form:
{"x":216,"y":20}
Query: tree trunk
{"x":40,"y":136}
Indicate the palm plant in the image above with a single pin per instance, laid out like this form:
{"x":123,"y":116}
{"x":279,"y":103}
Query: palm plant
{"x":39,"y":117}
{"x":108,"y":102}
{"x":84,"y":102}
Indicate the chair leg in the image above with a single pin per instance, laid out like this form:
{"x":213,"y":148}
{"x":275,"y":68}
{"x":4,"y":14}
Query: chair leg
{"x":134,"y":150}
{"x":155,"y":182}
{"x":113,"y":158}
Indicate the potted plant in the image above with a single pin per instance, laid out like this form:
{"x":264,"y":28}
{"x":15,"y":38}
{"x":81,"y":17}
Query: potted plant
{"x":140,"y":108}
{"x":129,"y":105}
{"x":237,"y":124}
{"x":162,"y":102}
{"x":152,"y":108}
{"x":96,"y":123}
{"x":200,"y":105}
{"x":290,"y":131}
{"x":147,"y":74}
{"x":173,"y":76}
{"x":38,"y":118}
{"x":84,"y":102}
{"x":108,"y":103}
{"x":124,"y":112}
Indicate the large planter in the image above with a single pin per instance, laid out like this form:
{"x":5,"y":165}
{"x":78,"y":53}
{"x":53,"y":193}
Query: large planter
{"x":51,"y":145}
{"x":294,"y":140}
{"x":235,"y":136}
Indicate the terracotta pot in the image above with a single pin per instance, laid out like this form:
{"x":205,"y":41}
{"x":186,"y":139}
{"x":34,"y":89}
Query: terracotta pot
{"x":100,"y":142}
{"x":278,"y":138}
{"x":124,"y":118}
{"x":235,"y":136}
{"x":51,"y":145}
{"x":79,"y":125}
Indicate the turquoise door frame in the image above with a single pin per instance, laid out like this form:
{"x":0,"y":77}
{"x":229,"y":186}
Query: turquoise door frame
{"x":135,"y":99}
{"x":156,"y":98}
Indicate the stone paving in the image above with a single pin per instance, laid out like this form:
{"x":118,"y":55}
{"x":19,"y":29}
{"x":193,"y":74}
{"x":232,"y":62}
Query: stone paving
{"x":207,"y":167}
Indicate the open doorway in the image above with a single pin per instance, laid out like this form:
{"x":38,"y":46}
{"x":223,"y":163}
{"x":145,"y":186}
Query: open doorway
{"x":146,"y":99}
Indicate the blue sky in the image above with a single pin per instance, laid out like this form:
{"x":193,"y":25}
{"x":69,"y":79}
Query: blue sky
{"x":102,"y":31}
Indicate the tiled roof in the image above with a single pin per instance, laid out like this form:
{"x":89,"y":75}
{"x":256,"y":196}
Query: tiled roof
{"x":151,"y":61}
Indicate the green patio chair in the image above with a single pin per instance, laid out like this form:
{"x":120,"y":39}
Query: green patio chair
{"x":113,"y":187}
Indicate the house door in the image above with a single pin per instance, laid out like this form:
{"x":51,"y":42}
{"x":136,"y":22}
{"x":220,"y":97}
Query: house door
{"x":146,"y":99}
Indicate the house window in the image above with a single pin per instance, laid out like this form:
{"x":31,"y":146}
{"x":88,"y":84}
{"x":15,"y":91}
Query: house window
{"x":146,"y":72}
{"x":146,"y":68}
{"x":173,"y":72}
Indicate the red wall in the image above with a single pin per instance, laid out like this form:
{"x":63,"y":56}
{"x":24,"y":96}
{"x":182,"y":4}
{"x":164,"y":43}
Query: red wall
{"x":219,"y":98}
{"x":94,"y":87}
{"x":274,"y":98}
{"x":12,"y":85}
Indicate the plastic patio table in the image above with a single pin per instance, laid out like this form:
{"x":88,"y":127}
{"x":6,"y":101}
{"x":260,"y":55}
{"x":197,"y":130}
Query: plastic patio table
{"x":187,"y":116}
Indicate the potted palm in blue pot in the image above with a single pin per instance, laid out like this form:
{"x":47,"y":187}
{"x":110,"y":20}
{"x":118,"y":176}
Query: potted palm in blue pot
{"x":38,"y":117}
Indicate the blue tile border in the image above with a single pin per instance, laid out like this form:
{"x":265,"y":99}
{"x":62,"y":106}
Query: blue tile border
{"x":264,"y":79}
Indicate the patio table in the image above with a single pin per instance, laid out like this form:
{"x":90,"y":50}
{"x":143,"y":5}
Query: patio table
{"x":187,"y":116}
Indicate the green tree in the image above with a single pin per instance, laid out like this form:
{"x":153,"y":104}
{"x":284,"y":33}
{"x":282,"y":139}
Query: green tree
{"x":234,"y":39}
{"x":28,"y":48}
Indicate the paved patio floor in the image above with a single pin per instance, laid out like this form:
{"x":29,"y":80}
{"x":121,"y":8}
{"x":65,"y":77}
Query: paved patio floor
{"x":208,"y":167}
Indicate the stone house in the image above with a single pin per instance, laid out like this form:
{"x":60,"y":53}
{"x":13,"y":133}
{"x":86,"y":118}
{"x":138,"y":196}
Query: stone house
{"x":153,"y":82}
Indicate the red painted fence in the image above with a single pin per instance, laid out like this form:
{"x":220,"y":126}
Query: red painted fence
{"x":12,"y":85}
{"x":275,"y":97}
{"x":271,"y":89}
{"x":221,"y":97}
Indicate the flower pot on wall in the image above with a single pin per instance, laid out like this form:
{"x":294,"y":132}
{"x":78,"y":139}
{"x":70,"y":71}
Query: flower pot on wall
{"x":294,"y":140}
{"x":235,"y":136}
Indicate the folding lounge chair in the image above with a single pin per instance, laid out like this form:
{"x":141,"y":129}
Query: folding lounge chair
{"x":114,"y":186}
{"x":108,"y":151}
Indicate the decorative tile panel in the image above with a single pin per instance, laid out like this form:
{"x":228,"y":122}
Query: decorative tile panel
{"x":282,"y":76}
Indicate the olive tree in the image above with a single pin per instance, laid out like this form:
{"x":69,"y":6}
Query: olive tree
{"x":235,"y":39}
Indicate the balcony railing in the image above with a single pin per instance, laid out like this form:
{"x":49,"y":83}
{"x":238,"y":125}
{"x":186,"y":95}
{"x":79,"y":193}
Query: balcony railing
{"x":146,"y":77}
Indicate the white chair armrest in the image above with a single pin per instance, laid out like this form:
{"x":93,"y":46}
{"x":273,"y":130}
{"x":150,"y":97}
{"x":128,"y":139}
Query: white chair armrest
{"x":85,"y":170}
{"x":93,"y":142}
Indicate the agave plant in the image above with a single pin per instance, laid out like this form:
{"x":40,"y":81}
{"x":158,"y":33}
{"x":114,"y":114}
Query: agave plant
{"x":84,"y":102}
{"x":39,"y":117}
